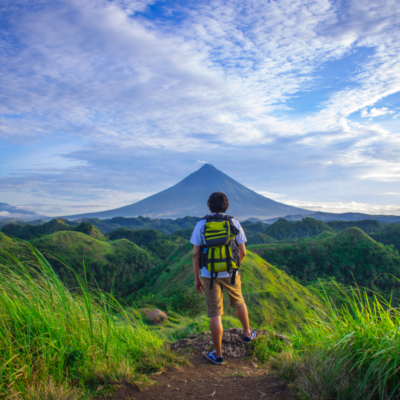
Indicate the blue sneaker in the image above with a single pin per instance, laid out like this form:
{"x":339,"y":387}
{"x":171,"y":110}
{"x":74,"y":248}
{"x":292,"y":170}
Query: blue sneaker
{"x":247,"y":340}
{"x":213,"y":358}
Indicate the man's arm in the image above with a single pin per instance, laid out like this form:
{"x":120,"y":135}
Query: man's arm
{"x":196,"y":268}
{"x":242,"y":251}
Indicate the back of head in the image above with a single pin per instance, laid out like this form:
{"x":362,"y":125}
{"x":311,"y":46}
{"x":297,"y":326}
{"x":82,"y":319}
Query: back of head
{"x":218,"y":202}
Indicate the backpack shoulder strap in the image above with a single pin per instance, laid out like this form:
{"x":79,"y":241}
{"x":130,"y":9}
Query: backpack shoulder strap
{"x":218,"y":216}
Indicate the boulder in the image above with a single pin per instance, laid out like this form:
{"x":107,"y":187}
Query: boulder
{"x":232,"y":342}
{"x":157,"y":316}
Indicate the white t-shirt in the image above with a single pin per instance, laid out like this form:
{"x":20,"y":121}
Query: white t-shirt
{"x":197,"y":239}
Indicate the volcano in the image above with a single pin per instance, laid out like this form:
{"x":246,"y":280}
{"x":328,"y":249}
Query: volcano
{"x":189,"y":198}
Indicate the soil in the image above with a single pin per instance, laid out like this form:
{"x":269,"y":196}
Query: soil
{"x":236,"y":379}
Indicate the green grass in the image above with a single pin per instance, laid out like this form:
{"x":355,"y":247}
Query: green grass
{"x":59,"y":345}
{"x":272,"y":297}
{"x":28,"y":231}
{"x":350,"y":353}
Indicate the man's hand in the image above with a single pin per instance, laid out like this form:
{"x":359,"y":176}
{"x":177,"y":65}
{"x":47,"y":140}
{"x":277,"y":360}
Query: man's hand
{"x":199,"y":286}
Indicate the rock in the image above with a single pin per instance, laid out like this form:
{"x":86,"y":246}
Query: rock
{"x":232,"y":341}
{"x":283,"y":338}
{"x":157,"y":316}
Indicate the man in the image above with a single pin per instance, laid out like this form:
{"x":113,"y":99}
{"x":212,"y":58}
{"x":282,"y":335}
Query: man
{"x":218,"y":203}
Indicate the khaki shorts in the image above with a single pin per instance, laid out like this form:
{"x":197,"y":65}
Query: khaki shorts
{"x":214,"y":296}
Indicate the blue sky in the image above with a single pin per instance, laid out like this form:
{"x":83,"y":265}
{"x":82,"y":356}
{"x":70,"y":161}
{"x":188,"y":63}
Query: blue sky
{"x":103,"y":103}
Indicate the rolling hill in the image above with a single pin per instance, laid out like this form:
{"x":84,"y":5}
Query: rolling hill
{"x":272,"y":297}
{"x":350,"y":256}
{"x":118,"y":265}
{"x":28,"y":231}
{"x":189,"y":197}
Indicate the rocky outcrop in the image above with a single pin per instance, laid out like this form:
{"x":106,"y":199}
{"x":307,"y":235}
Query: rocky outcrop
{"x":157,"y":316}
{"x":232,"y":341}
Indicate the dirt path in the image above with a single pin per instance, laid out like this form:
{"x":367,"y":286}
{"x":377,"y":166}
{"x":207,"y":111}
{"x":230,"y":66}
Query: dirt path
{"x":237,"y":379}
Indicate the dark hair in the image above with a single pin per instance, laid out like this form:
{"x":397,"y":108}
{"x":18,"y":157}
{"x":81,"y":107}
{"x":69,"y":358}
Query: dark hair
{"x":218,"y":202}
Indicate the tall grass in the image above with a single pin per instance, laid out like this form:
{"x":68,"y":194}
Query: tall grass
{"x":349,"y":353}
{"x":63,"y":345}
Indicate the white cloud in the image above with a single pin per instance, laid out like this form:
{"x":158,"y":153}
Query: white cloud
{"x":100,"y":76}
{"x":376,"y":112}
{"x":344,"y":207}
{"x":271,"y":195}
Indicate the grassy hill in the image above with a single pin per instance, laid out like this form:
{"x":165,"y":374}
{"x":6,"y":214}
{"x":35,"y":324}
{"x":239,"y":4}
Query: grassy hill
{"x":287,"y":230}
{"x":348,"y":256}
{"x":366,"y":225}
{"x":390,"y":236}
{"x":323,"y":235}
{"x":273,"y":298}
{"x":260,"y":238}
{"x":5,"y":242}
{"x":28,"y":231}
{"x":157,"y":243}
{"x":167,"y":226}
{"x":120,"y":264}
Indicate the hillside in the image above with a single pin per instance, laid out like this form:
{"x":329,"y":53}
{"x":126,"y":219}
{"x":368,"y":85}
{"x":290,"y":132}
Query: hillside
{"x":29,"y":231}
{"x":163,"y":225}
{"x":5,"y":242}
{"x":348,"y":256}
{"x":366,"y":225}
{"x":119,"y":264}
{"x":283,"y":230}
{"x":157,"y":243}
{"x":189,"y":197}
{"x":390,"y":236}
{"x":273,"y":298}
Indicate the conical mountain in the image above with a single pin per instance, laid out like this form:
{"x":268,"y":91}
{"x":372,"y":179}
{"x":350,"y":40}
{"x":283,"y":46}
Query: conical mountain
{"x":189,"y":197}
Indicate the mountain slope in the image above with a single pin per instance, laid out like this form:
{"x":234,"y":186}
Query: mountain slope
{"x":272,"y":297}
{"x":119,"y":264}
{"x":189,"y":197}
{"x":350,"y":256}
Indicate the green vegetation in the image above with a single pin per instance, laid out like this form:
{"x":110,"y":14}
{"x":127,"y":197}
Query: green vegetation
{"x":158,"y":243}
{"x":286,"y":230}
{"x":119,"y":265}
{"x":28,"y":231}
{"x":366,"y":225}
{"x":260,"y":238}
{"x":390,"y":236}
{"x":272,"y":297}
{"x":350,"y":353}
{"x":351,"y":256}
{"x":345,"y":339}
{"x":5,"y":242}
{"x":252,"y":228}
{"x":167,"y":226}
{"x":55,"y":344}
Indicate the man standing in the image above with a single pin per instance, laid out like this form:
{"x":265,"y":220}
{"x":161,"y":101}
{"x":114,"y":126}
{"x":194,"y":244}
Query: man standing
{"x":218,"y":203}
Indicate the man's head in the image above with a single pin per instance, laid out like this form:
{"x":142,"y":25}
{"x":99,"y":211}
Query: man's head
{"x":218,"y":202}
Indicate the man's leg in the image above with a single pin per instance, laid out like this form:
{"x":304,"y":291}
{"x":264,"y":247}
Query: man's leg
{"x":216,"y":333}
{"x":241,"y":313}
{"x":215,"y":309}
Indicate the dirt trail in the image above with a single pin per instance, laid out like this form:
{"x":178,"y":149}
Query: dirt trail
{"x":237,"y":379}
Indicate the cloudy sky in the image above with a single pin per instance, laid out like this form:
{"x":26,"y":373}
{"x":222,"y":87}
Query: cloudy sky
{"x":104,"y":102}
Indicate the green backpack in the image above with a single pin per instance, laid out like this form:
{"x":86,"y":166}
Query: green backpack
{"x":220,"y":251}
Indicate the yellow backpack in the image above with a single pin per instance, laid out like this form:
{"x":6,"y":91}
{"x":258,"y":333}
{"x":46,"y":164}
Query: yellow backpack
{"x":220,"y":251}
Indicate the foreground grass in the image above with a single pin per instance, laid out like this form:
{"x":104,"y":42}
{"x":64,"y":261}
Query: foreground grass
{"x":351,"y":353}
{"x":59,"y":345}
